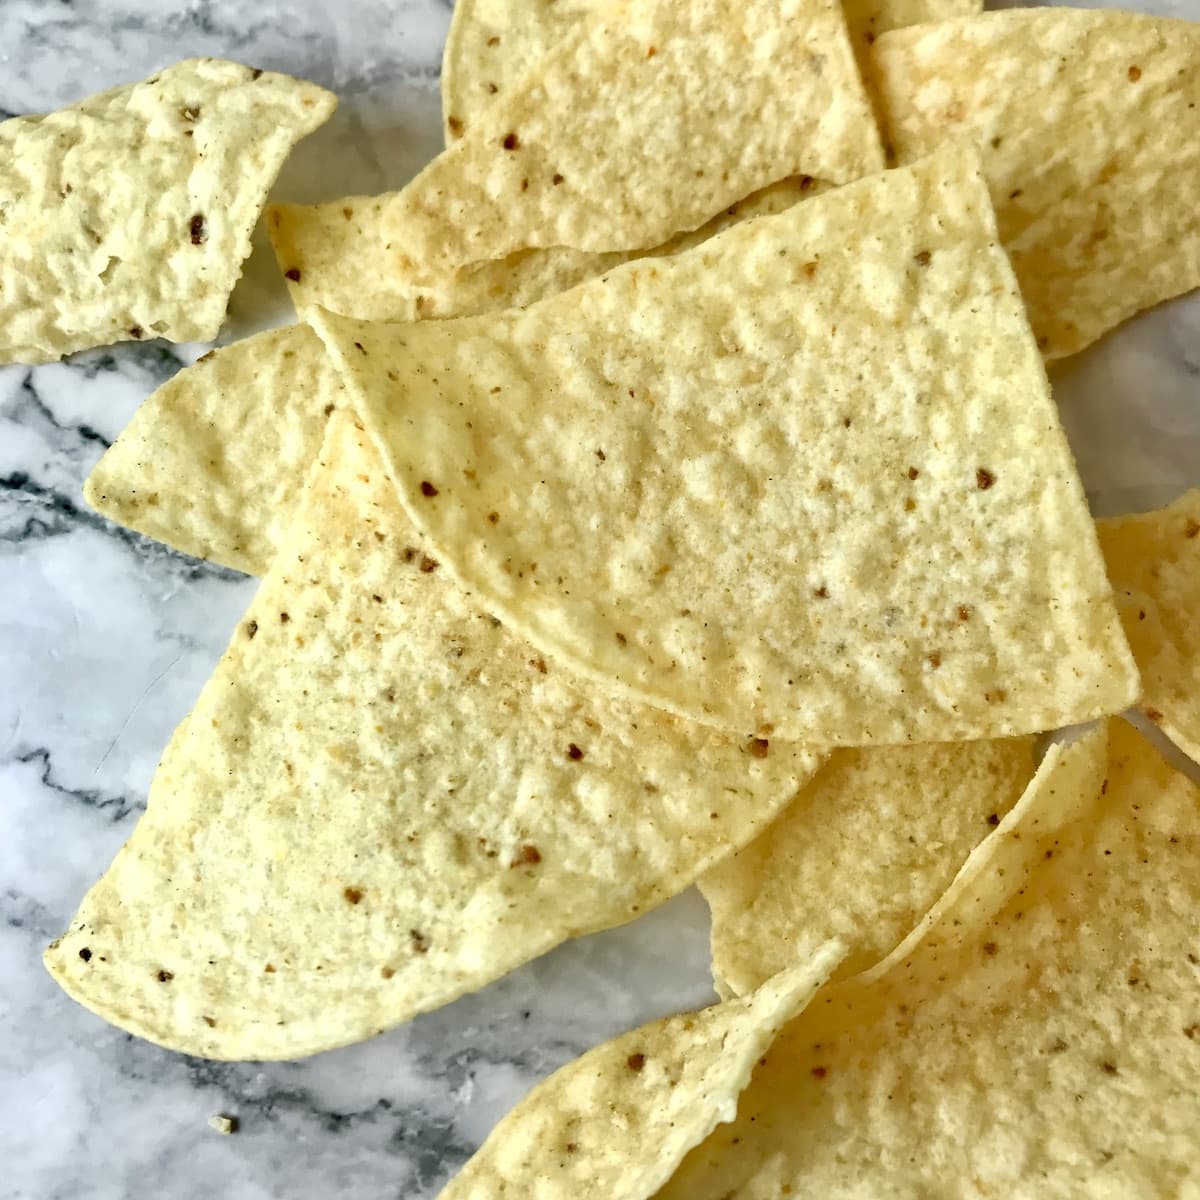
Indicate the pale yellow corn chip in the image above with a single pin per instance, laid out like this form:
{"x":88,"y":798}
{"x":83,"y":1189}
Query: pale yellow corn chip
{"x":492,"y":44}
{"x":805,"y":481}
{"x":861,"y":854}
{"x":1051,"y":1049}
{"x":1090,"y":126}
{"x":214,"y":461}
{"x":384,"y":799}
{"x":676,"y":111}
{"x":614,"y":1124}
{"x":129,"y":214}
{"x":1154,"y":564}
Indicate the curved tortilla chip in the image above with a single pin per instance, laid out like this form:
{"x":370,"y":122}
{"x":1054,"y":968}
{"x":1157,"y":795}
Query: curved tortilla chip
{"x":383,"y":799}
{"x":1154,"y":564}
{"x":493,"y":43}
{"x":718,"y":481}
{"x":1049,"y":1049}
{"x":614,"y":1124}
{"x":214,"y":461}
{"x":1090,"y":126}
{"x":129,"y":214}
{"x":676,"y":112}
{"x":861,"y":854}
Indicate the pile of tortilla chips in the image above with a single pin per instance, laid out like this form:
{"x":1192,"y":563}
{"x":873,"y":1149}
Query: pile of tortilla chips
{"x":659,"y":490}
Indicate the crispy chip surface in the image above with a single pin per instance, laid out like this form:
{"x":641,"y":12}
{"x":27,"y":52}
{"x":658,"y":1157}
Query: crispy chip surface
{"x":676,"y":112}
{"x":615,"y":1123}
{"x":384,"y":799}
{"x":1047,"y":1048}
{"x":492,"y":44}
{"x":128,"y":215}
{"x":719,"y":481}
{"x":862,"y":854}
{"x":1154,"y":564}
{"x":1090,"y":127}
{"x":213,"y":462}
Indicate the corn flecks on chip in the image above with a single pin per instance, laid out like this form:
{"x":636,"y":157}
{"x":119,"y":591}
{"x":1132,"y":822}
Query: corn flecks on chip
{"x":1090,"y":127}
{"x":328,"y":253}
{"x":129,"y":214}
{"x":718,"y":482}
{"x":213,"y":462}
{"x":1049,"y":1049}
{"x":677,"y":112}
{"x":492,"y":44}
{"x":614,"y":1124}
{"x":383,"y":799}
{"x":1154,"y":564}
{"x":862,"y":854}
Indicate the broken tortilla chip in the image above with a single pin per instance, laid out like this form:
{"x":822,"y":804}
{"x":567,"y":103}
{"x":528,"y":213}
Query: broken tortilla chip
{"x":678,"y":111}
{"x":583,"y":1134}
{"x":1090,"y":129}
{"x":1154,"y":564}
{"x":862,"y":854}
{"x":1048,"y":1048}
{"x":493,"y":44}
{"x":129,"y":215}
{"x":384,"y":799}
{"x":214,"y":461}
{"x":717,"y":481}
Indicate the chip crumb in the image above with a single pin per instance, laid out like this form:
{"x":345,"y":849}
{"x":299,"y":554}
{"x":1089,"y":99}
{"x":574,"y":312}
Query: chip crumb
{"x":223,"y":1123}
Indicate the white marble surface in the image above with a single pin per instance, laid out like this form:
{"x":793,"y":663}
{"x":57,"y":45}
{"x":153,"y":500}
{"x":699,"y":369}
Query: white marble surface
{"x":106,"y":638}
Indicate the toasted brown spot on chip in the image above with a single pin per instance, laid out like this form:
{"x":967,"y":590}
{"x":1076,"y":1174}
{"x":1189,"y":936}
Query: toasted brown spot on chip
{"x":427,"y":488}
{"x":135,"y":331}
{"x":527,"y":856}
{"x":420,"y":943}
{"x":574,"y":753}
{"x":1154,"y":714}
{"x":511,"y":141}
{"x":984,"y":478}
{"x":820,"y":1072}
{"x":85,"y":954}
{"x":1135,"y":73}
{"x":922,"y":258}
{"x":251,"y":628}
{"x":165,"y":976}
{"x":964,"y":612}
{"x":557,"y":179}
{"x":913,"y":472}
{"x":352,"y":895}
{"x":387,"y":972}
{"x":636,"y":1061}
{"x":292,"y":273}
{"x":198,"y":230}
{"x":1192,"y":528}
{"x":269,"y":969}
{"x":990,"y":948}
{"x":455,"y":125}
{"x":757,"y":747}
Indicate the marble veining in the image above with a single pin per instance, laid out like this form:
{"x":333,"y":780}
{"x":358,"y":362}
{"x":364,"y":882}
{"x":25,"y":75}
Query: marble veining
{"x":107,"y":637}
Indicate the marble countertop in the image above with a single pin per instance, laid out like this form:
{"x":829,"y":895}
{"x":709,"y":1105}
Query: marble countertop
{"x":106,"y":639}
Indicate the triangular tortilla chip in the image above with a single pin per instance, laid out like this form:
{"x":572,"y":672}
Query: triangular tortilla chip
{"x":676,"y":112}
{"x":1154,"y":564}
{"x":213,"y":462}
{"x":861,"y":854}
{"x":1048,"y":1050}
{"x":129,"y":215}
{"x":723,"y":482}
{"x":493,"y":43}
{"x":384,"y":799}
{"x":614,"y":1124}
{"x":1090,"y":126}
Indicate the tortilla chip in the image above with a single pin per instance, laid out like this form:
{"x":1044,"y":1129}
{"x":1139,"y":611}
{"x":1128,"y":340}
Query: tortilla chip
{"x":328,"y":253}
{"x":1047,"y":1050}
{"x":677,"y":112}
{"x":384,"y":799}
{"x":1091,"y":133}
{"x":492,"y":44}
{"x":129,"y":214}
{"x":861,"y":854}
{"x":213,"y":462}
{"x":614,"y":1124}
{"x":1154,"y":564}
{"x":718,"y":481}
